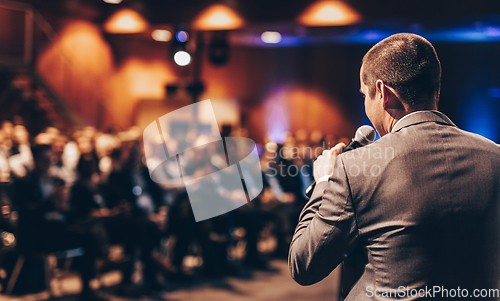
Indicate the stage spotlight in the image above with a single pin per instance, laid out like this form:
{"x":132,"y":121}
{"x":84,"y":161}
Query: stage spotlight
{"x":113,"y":1}
{"x":182,"y":36}
{"x":182,"y":58}
{"x":270,"y":37}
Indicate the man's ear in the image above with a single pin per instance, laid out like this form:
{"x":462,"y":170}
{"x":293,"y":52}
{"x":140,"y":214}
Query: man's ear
{"x":388,"y":96}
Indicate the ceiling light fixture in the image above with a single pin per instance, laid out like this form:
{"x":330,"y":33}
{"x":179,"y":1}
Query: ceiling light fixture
{"x":182,"y":36}
{"x":161,"y":35}
{"x":218,"y":17}
{"x":182,"y":58}
{"x":329,"y":13}
{"x":270,"y":37}
{"x":125,"y":21}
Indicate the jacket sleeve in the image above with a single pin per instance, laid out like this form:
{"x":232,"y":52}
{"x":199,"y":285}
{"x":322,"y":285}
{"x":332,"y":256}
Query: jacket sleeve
{"x":327,"y":230}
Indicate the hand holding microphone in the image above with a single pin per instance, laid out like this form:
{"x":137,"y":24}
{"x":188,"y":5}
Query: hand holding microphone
{"x":323,"y":166}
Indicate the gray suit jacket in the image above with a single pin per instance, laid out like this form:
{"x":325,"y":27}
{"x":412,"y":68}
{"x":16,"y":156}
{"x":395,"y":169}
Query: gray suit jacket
{"x":423,"y":203}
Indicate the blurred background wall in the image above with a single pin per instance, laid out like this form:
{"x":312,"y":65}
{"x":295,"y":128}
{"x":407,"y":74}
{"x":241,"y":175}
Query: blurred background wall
{"x":308,"y":80}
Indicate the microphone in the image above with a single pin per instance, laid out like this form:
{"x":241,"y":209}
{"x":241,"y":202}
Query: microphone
{"x":365,"y":135}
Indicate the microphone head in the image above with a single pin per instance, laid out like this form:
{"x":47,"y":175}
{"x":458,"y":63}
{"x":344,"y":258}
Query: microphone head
{"x":365,"y":135}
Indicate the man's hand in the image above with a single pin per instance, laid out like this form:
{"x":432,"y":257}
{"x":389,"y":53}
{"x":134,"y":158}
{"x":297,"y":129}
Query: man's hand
{"x":323,"y":166}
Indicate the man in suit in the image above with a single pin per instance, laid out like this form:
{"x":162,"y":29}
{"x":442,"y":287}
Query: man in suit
{"x":422,"y":203}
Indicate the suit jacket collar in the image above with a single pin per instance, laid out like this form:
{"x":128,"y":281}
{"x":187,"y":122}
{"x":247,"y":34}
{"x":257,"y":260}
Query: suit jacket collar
{"x":421,"y":117}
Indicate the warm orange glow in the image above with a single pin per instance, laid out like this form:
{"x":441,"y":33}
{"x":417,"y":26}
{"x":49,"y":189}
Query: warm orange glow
{"x":144,"y":79}
{"x":77,"y":66}
{"x":137,"y":79}
{"x":287,"y":110}
{"x":329,"y":13}
{"x":218,"y":17}
{"x":91,"y":59}
{"x":126,"y":21}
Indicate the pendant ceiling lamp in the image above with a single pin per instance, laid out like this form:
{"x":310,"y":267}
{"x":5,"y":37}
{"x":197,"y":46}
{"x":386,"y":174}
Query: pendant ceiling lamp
{"x":218,"y":17}
{"x":125,"y":21}
{"x":329,"y":13}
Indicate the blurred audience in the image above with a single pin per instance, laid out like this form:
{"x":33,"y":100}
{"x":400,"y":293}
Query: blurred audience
{"x":92,"y":191}
{"x":45,"y":219}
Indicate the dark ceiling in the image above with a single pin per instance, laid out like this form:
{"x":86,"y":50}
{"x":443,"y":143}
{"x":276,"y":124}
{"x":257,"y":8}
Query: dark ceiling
{"x":438,"y":20}
{"x":277,"y":11}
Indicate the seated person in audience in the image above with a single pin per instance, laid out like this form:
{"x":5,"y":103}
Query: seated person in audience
{"x":44,"y":218}
{"x":20,"y":159}
{"x":130,"y":188}
{"x":276,"y":204}
{"x":90,"y":211}
{"x":86,"y":203}
{"x":211,"y":235}
{"x":4,"y":163}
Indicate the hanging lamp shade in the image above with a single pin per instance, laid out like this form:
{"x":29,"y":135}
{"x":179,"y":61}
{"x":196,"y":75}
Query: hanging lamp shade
{"x":218,"y":17}
{"x":125,"y":21}
{"x":329,"y":13}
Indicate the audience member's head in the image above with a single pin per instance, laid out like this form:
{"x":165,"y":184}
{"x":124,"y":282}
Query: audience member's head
{"x":54,"y":132}
{"x":60,"y":194}
{"x":7,"y":128}
{"x":20,"y":134}
{"x":43,"y":139}
{"x":58,"y":144}
{"x":86,"y":166}
{"x":42,"y":155}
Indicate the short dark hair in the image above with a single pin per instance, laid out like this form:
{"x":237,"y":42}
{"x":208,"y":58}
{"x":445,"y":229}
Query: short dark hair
{"x":38,"y":149}
{"x":408,"y":63}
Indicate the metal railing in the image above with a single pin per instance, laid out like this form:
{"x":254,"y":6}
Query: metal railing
{"x":68,"y":91}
